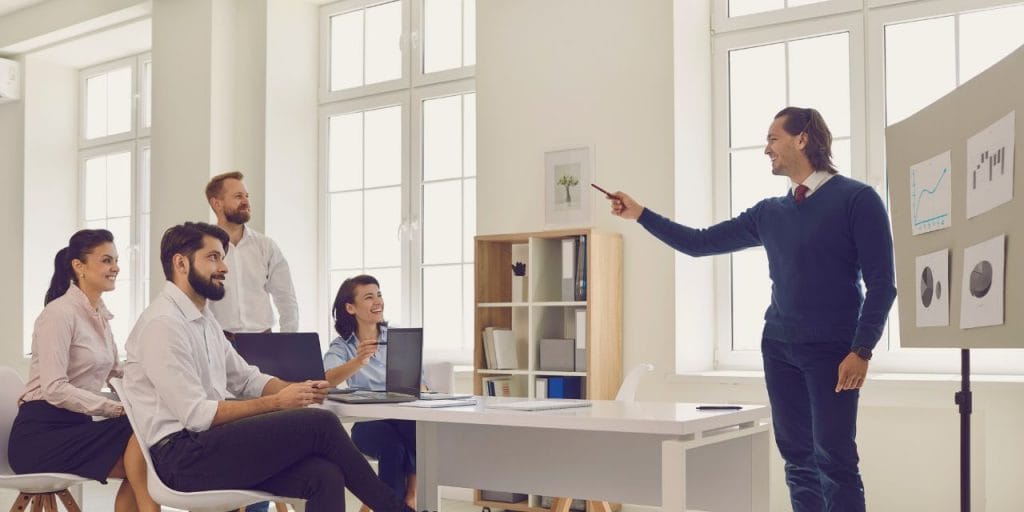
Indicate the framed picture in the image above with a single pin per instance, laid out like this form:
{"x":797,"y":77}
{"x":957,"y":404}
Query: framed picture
{"x":566,"y":182}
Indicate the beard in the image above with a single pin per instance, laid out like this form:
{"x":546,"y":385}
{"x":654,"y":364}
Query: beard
{"x":238,"y":216}
{"x":205,"y":287}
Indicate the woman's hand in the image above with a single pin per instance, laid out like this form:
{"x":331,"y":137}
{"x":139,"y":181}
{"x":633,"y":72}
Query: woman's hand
{"x":365,"y":350}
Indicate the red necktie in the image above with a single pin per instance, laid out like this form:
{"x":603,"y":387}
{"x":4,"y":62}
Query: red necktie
{"x":801,"y":193}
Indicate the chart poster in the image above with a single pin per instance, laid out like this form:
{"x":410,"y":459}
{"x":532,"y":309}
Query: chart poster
{"x":931,"y":194}
{"x":990,"y":167}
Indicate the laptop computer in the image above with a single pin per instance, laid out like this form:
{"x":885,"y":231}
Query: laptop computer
{"x":289,"y":356}
{"x":403,"y":370}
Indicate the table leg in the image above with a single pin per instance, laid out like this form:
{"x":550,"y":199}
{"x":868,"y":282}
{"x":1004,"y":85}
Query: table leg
{"x":426,"y":466}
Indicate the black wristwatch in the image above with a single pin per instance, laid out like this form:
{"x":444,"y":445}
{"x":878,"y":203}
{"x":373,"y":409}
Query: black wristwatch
{"x":863,"y":352}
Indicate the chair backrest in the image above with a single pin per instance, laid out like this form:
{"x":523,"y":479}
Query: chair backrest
{"x":627,"y":391}
{"x":157,"y":488}
{"x":441,"y":376}
{"x":11,"y":387}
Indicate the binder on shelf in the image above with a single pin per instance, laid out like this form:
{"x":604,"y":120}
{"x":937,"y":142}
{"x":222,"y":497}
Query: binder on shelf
{"x":568,"y":269}
{"x":506,"y":353}
{"x":580,"y":288}
{"x":581,"y":340}
{"x":565,"y":387}
{"x":541,"y":387}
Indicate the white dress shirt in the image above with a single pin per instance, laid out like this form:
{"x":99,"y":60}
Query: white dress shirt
{"x":813,"y":182}
{"x":256,"y":268}
{"x":180,"y":365}
{"x":73,"y":355}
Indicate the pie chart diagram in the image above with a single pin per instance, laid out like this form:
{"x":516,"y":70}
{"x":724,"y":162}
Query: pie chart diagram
{"x":928,"y":290}
{"x":981,"y":279}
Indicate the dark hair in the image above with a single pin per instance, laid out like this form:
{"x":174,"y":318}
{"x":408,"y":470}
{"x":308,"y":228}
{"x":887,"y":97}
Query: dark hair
{"x":186,"y":239}
{"x":819,"y":138}
{"x":216,"y":184}
{"x":79,"y":246}
{"x":345,"y":322}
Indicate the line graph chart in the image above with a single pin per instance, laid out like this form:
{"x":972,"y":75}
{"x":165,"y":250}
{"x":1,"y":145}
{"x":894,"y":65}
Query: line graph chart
{"x":931,"y":194}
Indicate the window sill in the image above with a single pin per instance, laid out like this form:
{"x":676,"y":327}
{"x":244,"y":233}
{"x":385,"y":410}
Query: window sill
{"x":740,"y":376}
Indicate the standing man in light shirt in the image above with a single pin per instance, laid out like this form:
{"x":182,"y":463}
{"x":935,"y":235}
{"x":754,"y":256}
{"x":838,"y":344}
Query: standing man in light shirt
{"x":258,"y":268}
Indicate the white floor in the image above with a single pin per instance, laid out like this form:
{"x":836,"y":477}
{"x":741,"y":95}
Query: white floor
{"x":100,"y":498}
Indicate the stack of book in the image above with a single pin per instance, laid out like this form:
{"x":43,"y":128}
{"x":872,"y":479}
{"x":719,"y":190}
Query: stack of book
{"x":501,"y":386}
{"x":500,"y":349}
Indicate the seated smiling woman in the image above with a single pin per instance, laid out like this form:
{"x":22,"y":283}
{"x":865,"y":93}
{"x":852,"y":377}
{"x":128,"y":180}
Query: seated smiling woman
{"x":73,"y":355}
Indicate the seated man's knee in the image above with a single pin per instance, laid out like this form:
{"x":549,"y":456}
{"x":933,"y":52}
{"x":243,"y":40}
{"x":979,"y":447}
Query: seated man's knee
{"x":320,"y":476}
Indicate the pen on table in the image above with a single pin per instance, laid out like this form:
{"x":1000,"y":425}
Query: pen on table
{"x":719,"y":407}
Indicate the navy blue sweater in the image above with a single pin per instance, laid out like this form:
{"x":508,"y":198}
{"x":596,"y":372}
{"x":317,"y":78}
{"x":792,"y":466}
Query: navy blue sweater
{"x":818,"y":253}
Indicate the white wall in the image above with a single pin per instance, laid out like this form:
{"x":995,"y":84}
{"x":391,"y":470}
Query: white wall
{"x":553,"y":75}
{"x":291,"y":147}
{"x":51,"y":175}
{"x":12,"y":161}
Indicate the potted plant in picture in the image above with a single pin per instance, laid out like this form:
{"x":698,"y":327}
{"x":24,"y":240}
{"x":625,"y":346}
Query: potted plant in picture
{"x":568,"y":181}
{"x":519,"y":282}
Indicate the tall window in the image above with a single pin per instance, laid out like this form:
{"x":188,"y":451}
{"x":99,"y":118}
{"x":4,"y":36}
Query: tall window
{"x":864,"y":65}
{"x":398,"y":153}
{"x":114,"y":175}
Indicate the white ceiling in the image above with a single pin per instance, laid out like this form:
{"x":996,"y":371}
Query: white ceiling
{"x":9,"y":6}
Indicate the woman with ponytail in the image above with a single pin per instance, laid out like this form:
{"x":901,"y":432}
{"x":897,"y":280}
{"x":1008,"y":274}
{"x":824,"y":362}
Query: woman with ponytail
{"x":73,"y":355}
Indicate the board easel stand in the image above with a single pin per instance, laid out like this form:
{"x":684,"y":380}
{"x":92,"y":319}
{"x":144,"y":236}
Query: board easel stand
{"x":964,"y":399}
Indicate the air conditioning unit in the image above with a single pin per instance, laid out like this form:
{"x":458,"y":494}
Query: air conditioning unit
{"x":10,"y":80}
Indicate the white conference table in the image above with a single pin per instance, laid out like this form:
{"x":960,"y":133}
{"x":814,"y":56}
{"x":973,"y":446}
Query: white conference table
{"x":645,"y":453}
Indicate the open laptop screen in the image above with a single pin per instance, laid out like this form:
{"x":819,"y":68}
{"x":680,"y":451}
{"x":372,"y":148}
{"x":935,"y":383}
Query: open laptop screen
{"x":289,"y":356}
{"x":404,"y":360}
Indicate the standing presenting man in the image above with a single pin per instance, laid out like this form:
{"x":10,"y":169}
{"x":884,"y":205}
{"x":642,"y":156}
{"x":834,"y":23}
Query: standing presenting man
{"x":258,"y":268}
{"x":822,"y":239}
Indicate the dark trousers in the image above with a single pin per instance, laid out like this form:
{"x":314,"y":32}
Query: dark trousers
{"x":815,"y":427}
{"x":393,"y":444}
{"x":301,"y":453}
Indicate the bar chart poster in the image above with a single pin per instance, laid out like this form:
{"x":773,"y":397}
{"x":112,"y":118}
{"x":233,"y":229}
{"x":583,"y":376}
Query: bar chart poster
{"x":990,"y":167}
{"x":931,"y":194}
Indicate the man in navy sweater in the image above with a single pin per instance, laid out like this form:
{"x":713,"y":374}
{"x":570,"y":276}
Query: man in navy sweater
{"x":822,"y":238}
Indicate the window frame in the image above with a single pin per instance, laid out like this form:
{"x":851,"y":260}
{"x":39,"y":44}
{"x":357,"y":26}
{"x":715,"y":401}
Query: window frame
{"x":419,"y":95}
{"x":323,"y":255}
{"x":83,"y":104}
{"x":867,"y":102}
{"x":409,"y":91}
{"x":344,"y":7}
{"x":134,"y":142}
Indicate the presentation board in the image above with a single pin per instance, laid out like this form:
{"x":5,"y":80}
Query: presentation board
{"x":957,"y":212}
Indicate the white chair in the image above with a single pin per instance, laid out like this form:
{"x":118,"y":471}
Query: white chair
{"x":627,"y":393}
{"x":215,"y":501}
{"x":41,"y":490}
{"x":441,"y":376}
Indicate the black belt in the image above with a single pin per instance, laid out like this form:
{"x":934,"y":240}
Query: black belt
{"x":231,"y":336}
{"x":162,"y":443}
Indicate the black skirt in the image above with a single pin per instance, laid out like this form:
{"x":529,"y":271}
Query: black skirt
{"x":48,"y":439}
